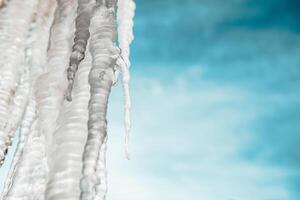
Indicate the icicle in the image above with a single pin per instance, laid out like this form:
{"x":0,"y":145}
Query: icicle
{"x":51,"y":86}
{"x":82,"y":34}
{"x":20,"y":100}
{"x":29,"y":145}
{"x":125,"y":14}
{"x":12,"y":43}
{"x":70,"y":137}
{"x":104,"y":54}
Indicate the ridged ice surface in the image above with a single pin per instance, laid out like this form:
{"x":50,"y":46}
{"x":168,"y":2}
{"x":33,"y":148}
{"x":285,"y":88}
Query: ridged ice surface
{"x":69,"y":139}
{"x":14,"y":31}
{"x":104,"y":54}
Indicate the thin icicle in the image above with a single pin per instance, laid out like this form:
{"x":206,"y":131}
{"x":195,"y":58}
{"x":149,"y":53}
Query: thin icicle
{"x":125,"y":14}
{"x":82,"y":35}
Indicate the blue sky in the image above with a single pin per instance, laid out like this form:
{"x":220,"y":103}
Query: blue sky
{"x":215,"y":88}
{"x":216,"y":102}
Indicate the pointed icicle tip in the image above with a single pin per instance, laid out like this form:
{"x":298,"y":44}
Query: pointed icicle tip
{"x":127,"y":154}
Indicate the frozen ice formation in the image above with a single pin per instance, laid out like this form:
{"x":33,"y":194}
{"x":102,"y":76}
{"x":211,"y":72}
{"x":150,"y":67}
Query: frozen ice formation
{"x":125,"y":14}
{"x":59,"y":61}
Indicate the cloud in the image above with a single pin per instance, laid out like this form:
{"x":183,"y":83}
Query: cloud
{"x":190,"y":139}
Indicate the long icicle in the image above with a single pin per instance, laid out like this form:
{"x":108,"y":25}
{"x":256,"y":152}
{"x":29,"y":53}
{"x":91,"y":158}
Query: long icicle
{"x":70,"y":137}
{"x":82,"y":35}
{"x":101,"y":172}
{"x":104,"y":55}
{"x":37,"y":58}
{"x":12,"y":43}
{"x":51,"y":86}
{"x":125,"y":14}
{"x":20,"y":100}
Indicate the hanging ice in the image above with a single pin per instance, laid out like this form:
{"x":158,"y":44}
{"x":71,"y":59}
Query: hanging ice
{"x":59,"y":61}
{"x":125,"y":16}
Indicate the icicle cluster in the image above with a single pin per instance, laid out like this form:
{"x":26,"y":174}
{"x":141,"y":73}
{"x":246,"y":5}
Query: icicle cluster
{"x":59,"y":60}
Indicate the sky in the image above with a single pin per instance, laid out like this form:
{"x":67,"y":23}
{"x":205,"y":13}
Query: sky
{"x":215,"y":103}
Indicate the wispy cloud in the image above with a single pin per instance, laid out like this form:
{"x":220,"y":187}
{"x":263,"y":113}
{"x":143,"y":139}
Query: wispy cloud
{"x":191,"y":139}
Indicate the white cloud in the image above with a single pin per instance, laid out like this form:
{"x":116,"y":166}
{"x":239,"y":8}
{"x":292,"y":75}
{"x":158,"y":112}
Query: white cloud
{"x":187,"y":143}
